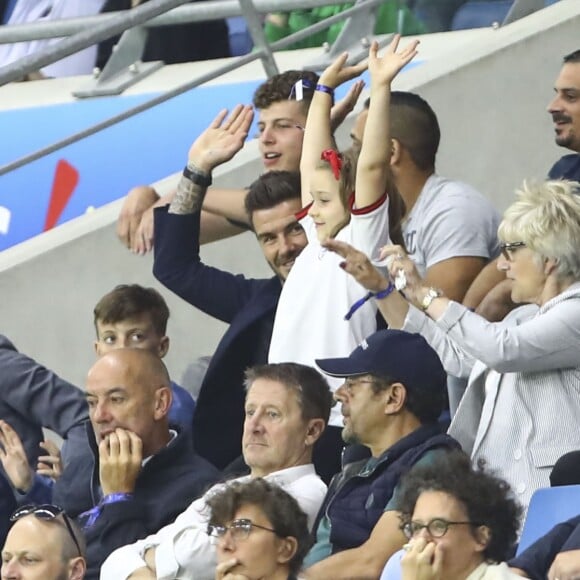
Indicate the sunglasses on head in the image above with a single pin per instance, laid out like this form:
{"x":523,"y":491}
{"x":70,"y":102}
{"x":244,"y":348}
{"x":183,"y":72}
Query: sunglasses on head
{"x":46,"y":512}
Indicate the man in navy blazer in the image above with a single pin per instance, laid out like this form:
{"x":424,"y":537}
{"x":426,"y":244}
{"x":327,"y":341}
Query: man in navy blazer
{"x":247,"y":305}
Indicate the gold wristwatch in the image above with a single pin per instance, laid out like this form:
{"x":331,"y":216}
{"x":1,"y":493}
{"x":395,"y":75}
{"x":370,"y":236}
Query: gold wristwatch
{"x":432,"y":293}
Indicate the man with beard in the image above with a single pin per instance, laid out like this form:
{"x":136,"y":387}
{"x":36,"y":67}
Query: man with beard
{"x":393,"y":393}
{"x":565,"y":111}
{"x":490,"y":292}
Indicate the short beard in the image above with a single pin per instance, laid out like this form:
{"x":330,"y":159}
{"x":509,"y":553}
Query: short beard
{"x":570,"y":141}
{"x":349,"y":437}
{"x":567,"y":141}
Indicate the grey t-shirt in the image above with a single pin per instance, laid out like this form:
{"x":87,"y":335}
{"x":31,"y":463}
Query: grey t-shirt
{"x":450,"y":219}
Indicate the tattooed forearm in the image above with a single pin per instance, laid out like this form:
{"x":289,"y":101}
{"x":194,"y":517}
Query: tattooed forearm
{"x":188,"y":198}
{"x":190,"y":190}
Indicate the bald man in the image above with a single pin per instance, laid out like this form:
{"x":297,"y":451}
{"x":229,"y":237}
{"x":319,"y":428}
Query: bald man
{"x":140,"y":474}
{"x":43,"y":549}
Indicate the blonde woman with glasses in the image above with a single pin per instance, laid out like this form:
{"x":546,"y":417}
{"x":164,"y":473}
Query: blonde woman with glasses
{"x":521,"y":408}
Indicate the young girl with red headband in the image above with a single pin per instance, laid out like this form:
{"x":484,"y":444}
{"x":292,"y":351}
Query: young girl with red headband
{"x":341,"y":200}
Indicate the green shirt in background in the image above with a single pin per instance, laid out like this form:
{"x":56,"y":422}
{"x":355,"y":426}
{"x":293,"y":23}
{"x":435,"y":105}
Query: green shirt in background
{"x":387,"y":20}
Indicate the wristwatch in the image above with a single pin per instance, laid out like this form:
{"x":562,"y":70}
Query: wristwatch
{"x":432,"y":293}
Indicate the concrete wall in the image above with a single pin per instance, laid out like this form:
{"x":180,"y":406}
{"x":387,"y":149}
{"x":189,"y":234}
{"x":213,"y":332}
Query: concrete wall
{"x":50,"y":284}
{"x":491,"y":100}
{"x":490,"y":93}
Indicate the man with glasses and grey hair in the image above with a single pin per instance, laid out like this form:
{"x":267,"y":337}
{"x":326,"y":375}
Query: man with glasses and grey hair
{"x":43,"y":544}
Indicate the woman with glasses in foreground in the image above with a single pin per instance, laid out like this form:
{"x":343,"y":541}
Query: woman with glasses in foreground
{"x":260,"y":532}
{"x":461,"y":523}
{"x":523,"y":396}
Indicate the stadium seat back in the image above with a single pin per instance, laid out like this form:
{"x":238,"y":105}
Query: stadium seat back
{"x":392,"y":569}
{"x":549,"y":506}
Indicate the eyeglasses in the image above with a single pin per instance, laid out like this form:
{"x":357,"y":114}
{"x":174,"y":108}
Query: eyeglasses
{"x":46,"y":512}
{"x":239,"y":530}
{"x":349,"y":384}
{"x":436,"y":528}
{"x":508,"y":247}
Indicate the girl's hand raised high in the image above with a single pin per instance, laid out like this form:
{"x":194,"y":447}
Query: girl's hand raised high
{"x":384,"y":69}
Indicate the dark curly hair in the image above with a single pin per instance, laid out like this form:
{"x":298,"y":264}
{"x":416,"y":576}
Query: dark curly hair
{"x":282,"y":510}
{"x":487,"y":499}
{"x":279,"y":87}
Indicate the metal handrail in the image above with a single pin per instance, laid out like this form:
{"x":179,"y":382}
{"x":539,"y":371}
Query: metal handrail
{"x":232,"y":65}
{"x":84,"y":39}
{"x":197,"y":12}
{"x":194,"y":13}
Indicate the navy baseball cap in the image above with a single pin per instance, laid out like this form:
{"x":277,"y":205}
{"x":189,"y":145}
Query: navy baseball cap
{"x":404,"y":357}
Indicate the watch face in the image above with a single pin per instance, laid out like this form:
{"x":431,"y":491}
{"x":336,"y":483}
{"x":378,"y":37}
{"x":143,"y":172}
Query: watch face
{"x":432,"y":293}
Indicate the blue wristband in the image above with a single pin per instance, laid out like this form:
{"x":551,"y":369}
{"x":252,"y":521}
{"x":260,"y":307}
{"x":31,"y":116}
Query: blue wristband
{"x":325,"y":89}
{"x":384,"y":293}
{"x":377,"y":295}
{"x":115,"y":497}
{"x":88,"y":518}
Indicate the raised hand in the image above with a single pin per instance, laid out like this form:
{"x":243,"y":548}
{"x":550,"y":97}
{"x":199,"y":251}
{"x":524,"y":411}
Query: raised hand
{"x":384,"y":69}
{"x":50,"y":465}
{"x":401,"y":267}
{"x":338,"y":72}
{"x":341,"y":109}
{"x":13,"y":458}
{"x":358,"y":265}
{"x":222,"y":139}
{"x":120,"y":457}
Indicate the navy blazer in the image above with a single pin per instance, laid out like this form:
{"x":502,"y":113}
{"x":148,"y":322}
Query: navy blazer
{"x":247,"y":305}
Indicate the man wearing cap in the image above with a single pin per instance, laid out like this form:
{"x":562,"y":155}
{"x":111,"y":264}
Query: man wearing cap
{"x":393,"y":393}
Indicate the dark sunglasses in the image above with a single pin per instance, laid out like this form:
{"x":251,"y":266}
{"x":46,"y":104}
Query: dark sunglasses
{"x":46,"y":512}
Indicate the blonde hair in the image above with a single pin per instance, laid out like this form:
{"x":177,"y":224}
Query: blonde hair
{"x":546,"y":217}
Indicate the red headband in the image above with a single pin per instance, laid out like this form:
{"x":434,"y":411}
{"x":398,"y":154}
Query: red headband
{"x":334,"y":158}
